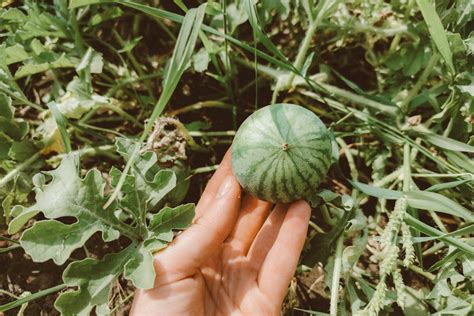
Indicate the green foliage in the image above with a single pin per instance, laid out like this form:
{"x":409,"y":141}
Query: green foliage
{"x":69,"y":195}
{"x":437,"y":32}
{"x":12,"y":130}
{"x":82,"y":82}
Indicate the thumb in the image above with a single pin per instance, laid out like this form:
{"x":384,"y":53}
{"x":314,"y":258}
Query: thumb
{"x":195,"y":245}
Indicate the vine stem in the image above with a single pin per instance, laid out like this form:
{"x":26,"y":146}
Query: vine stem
{"x":406,"y":167}
{"x":406,"y":17}
{"x":316,"y":227}
{"x":349,"y":157}
{"x":211,"y":134}
{"x":9,"y":240}
{"x":18,"y":169}
{"x":21,"y":99}
{"x":200,"y":105}
{"x":412,"y":267}
{"x":32,"y":297}
{"x":420,"y":271}
{"x":327,"y":218}
{"x":135,"y":64}
{"x":420,"y":82}
{"x":300,"y":57}
{"x":204,"y":169}
{"x":336,"y":275}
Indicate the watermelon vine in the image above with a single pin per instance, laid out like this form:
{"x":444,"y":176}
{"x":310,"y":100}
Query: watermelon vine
{"x":131,"y":215}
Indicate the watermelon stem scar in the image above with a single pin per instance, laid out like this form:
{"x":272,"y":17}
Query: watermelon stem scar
{"x":285,"y":147}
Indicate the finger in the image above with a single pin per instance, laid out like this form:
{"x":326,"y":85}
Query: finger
{"x":161,"y":301}
{"x":266,"y":236}
{"x":253,"y":213}
{"x":280,"y":264}
{"x":199,"y":242}
{"x":224,"y":170}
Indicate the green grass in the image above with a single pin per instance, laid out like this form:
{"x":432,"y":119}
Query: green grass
{"x":392,"y":80}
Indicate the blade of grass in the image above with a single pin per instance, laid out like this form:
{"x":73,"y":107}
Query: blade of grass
{"x":179,"y":19}
{"x":446,"y":142}
{"x":205,"y":40}
{"x":386,"y":128}
{"x":437,"y":32}
{"x":452,"y":256}
{"x":179,"y":62}
{"x":285,"y":64}
{"x":466,"y":230}
{"x":325,"y":88}
{"x":433,"y":232}
{"x":336,"y":275}
{"x":8,"y":249}
{"x":438,"y":203}
{"x":448,"y":185}
{"x":19,"y":168}
{"x":251,"y":11}
{"x":322,"y":9}
{"x":32,"y":297}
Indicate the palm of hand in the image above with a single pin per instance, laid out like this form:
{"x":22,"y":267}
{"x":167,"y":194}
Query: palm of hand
{"x":236,"y":259}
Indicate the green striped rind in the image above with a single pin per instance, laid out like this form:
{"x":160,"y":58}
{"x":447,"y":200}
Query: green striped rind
{"x":267,"y":171}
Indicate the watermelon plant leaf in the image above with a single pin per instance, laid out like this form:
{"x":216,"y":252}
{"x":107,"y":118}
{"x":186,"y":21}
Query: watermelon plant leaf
{"x":151,"y":183}
{"x":140,"y":194}
{"x":169,"y":219}
{"x":31,"y":68}
{"x":68,"y":195}
{"x":139,"y":269}
{"x":94,"y":277}
{"x":6,"y":108}
{"x":14,"y":129}
{"x":13,"y":54}
{"x":51,"y":239}
{"x":63,"y":187}
{"x":326,"y":196}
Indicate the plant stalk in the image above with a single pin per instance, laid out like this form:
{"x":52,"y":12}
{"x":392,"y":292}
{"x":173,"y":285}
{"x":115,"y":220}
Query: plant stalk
{"x":420,"y":82}
{"x":32,"y":297}
{"x":18,"y":169}
{"x":336,"y":275}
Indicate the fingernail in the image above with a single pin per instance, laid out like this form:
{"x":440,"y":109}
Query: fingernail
{"x":225,"y":187}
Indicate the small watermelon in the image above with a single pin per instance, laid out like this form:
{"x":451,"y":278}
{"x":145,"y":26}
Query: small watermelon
{"x":281,"y":153}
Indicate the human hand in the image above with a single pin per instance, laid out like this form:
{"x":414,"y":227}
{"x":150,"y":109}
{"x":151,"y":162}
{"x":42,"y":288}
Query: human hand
{"x":237,"y":258}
